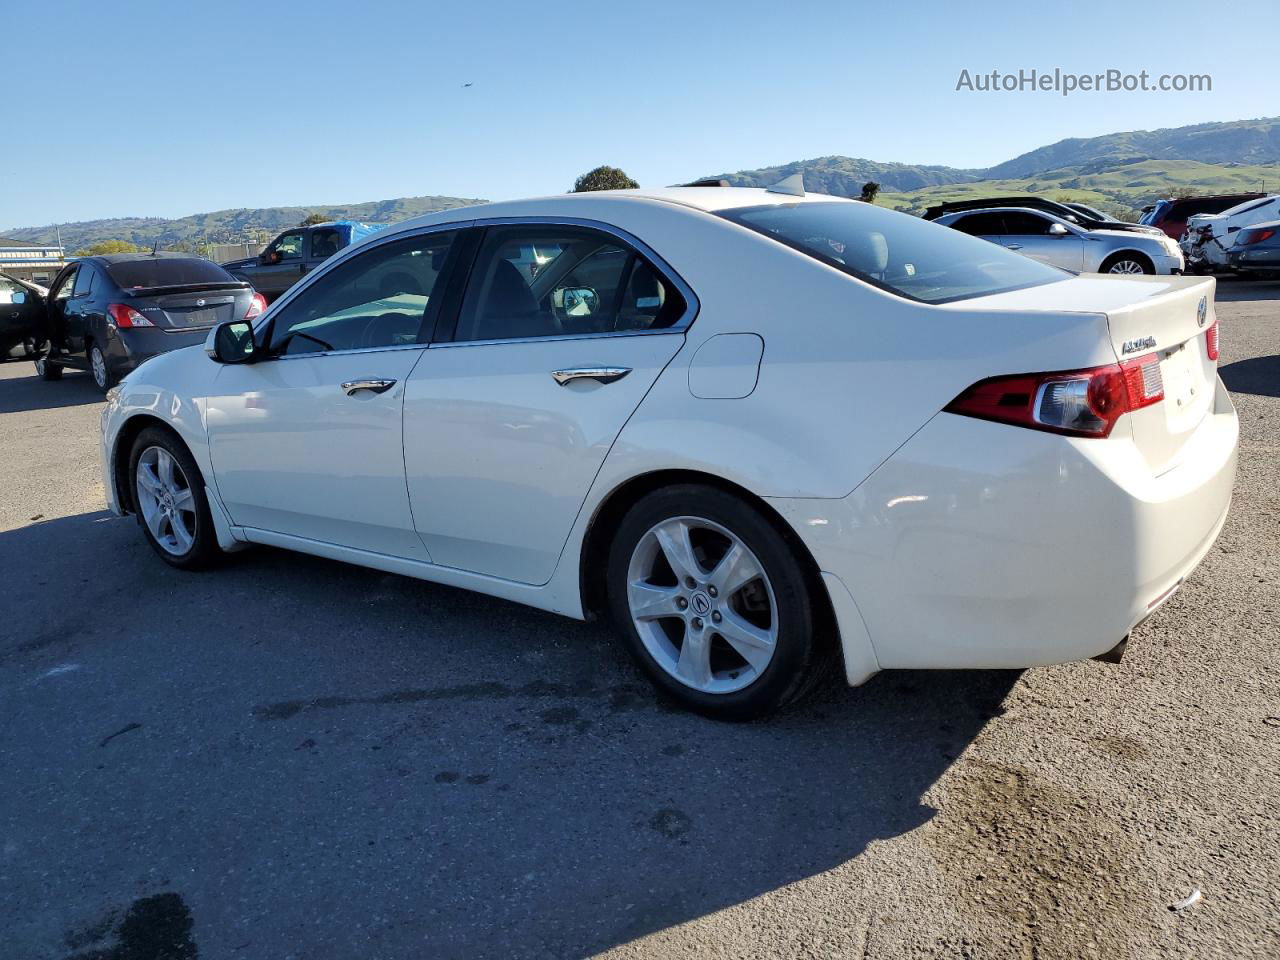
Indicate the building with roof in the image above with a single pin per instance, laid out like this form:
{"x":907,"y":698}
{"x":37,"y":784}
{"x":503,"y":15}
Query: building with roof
{"x":37,"y":262}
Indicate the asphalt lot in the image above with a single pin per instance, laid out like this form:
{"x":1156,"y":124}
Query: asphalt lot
{"x":289,"y":757}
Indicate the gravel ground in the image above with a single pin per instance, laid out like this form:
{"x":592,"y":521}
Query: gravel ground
{"x":294,"y":758}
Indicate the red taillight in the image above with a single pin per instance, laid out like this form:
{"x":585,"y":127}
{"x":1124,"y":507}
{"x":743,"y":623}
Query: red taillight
{"x":1211,"y":341}
{"x":256,"y":306}
{"x":125,"y":317}
{"x":1077,"y":403}
{"x":1256,"y":235}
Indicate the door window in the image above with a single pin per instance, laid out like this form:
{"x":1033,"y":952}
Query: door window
{"x":325,"y":242}
{"x":84,"y":281}
{"x":376,"y":299}
{"x":64,"y":287}
{"x":11,"y":292}
{"x":542,"y":281}
{"x":981,"y":224}
{"x":1025,"y":225}
{"x":289,"y":246}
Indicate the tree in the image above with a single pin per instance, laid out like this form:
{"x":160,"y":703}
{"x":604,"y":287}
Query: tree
{"x":104,"y":247}
{"x":603,"y":178}
{"x":313,"y":218}
{"x":869,"y":191}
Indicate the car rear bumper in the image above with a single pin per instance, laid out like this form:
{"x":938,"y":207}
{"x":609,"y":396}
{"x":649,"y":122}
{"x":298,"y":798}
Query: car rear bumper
{"x":1264,"y":259}
{"x":989,"y":546}
{"x":127,"y":349}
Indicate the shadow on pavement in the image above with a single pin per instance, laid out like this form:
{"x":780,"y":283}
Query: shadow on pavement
{"x":18,"y":393}
{"x":1260,"y":375}
{"x":316,"y":759}
{"x":1234,"y":290}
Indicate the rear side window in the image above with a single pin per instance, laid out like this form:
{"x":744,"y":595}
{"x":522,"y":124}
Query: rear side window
{"x":905,"y":255}
{"x":167,"y":272}
{"x":84,"y":281}
{"x":980,"y":224}
{"x":549,"y":281}
{"x":325,"y":242}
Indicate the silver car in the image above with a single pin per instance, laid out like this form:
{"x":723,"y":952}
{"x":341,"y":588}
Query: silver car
{"x":1054,"y":241}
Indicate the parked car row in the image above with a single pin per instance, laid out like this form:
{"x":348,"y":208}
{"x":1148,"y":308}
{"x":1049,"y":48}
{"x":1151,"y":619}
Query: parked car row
{"x":1211,"y":238}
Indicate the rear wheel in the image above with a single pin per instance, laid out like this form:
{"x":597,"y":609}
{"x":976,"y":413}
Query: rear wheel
{"x":102,"y":374}
{"x":169,"y":494}
{"x":713,"y":604}
{"x":1127,"y":263}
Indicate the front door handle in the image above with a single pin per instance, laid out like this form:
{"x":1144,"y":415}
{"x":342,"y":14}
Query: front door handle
{"x":352,"y":387}
{"x":1014,"y":246}
{"x":602,"y":374}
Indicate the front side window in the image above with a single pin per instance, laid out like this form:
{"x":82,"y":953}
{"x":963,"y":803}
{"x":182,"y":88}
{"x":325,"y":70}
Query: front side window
{"x":288,"y":246}
{"x":379,"y":298}
{"x":11,"y":292}
{"x":1020,"y":224}
{"x":548,"y":281}
{"x":902,"y":254}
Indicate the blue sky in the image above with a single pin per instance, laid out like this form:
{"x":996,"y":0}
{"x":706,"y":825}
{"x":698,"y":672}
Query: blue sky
{"x":168,"y":109}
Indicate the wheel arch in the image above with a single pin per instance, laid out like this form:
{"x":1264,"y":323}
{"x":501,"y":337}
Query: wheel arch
{"x":593,"y":560}
{"x":1130,"y":254}
{"x":125,"y":437}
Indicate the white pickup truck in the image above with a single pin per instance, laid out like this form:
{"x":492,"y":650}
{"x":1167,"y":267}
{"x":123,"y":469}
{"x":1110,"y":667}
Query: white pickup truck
{"x":1209,"y":237}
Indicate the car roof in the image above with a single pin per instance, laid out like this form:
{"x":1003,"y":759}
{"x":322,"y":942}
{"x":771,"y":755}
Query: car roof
{"x":586,"y":205}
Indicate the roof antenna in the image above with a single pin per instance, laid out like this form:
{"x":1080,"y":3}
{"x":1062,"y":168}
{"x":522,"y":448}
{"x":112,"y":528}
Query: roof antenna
{"x":155,"y":246}
{"x":792,"y":186}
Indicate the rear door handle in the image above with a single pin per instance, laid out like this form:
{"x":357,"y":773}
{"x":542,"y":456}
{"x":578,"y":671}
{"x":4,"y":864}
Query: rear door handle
{"x":602,"y":374}
{"x":352,"y":387}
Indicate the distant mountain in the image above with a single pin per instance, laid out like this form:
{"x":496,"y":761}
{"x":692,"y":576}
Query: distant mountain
{"x":228,"y":225}
{"x":1236,"y":141}
{"x":844,"y":176}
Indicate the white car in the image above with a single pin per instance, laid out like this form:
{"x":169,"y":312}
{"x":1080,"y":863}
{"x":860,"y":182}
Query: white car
{"x":772,"y":435}
{"x":1209,"y":237}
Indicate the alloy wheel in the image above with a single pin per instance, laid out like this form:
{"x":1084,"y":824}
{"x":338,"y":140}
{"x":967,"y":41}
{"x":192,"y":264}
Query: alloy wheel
{"x":702,"y":605}
{"x":1126,"y":266}
{"x":166,"y":501}
{"x":99,"y":364}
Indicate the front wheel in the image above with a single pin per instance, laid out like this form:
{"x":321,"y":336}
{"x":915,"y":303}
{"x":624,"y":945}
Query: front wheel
{"x":46,"y":369}
{"x":168,"y":492}
{"x":1127,"y":263}
{"x":714,"y":604}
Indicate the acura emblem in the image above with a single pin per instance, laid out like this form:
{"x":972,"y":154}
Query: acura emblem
{"x":200,"y":303}
{"x":1202,"y":311}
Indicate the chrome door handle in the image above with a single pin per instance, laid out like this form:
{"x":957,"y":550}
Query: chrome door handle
{"x":602,"y":374}
{"x":1014,"y":246}
{"x":351,"y":387}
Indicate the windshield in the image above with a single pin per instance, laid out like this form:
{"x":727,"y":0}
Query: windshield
{"x":897,"y":252}
{"x":167,"y":272}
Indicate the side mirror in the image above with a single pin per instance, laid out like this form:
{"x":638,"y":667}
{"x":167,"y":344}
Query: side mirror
{"x":576,"y":301}
{"x":232,"y":342}
{"x":1058,"y":230}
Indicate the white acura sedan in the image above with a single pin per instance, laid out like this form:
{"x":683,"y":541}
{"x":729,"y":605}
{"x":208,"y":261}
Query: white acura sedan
{"x":769,"y":434}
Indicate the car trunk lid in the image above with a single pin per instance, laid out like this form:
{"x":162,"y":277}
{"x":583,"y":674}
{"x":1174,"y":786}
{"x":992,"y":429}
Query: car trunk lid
{"x":183,"y":309}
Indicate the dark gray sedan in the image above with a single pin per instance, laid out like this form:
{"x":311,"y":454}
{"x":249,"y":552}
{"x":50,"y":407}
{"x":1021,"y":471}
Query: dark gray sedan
{"x":108,"y":314}
{"x":1256,"y":252}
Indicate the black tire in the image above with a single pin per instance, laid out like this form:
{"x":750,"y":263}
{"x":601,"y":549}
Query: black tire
{"x":802,"y":656}
{"x":204,"y":548}
{"x":46,"y":369}
{"x":1127,"y":255}
{"x":100,"y":370}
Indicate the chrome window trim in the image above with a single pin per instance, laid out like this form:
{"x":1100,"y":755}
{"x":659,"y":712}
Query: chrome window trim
{"x":665,"y":270}
{"x":347,"y":353}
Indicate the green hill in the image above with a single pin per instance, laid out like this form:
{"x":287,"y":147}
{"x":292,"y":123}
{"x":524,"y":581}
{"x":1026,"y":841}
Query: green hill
{"x":1236,"y":141}
{"x":228,"y":226}
{"x":844,"y":176}
{"x":1121,"y":189}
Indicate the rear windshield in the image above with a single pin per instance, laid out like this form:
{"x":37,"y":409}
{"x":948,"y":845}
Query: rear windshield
{"x":903,"y":254}
{"x":167,"y":272}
